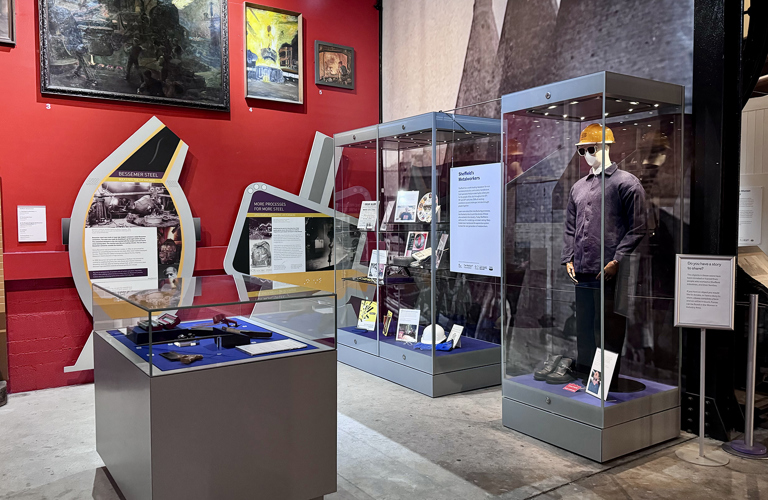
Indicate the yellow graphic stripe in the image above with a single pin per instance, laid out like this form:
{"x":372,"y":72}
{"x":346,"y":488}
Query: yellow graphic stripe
{"x":283,"y":214}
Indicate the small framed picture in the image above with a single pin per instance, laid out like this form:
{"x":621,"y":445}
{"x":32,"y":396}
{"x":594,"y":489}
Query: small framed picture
{"x":334,"y":65}
{"x":7,"y":22}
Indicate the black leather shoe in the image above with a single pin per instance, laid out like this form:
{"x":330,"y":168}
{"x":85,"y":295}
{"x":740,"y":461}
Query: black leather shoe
{"x":549,"y":366}
{"x":562,"y":374}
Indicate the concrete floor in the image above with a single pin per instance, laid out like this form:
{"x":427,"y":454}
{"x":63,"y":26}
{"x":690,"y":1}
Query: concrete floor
{"x":393,"y":443}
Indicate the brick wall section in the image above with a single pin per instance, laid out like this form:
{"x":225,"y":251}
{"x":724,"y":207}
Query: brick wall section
{"x":47,"y":327}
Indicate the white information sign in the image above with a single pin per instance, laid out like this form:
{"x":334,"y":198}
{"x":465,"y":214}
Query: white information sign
{"x":121,"y":253}
{"x":368,"y":214}
{"x":476,"y":219}
{"x":750,"y":216}
{"x":705,"y":286}
{"x":31,"y":223}
{"x":288,"y":248}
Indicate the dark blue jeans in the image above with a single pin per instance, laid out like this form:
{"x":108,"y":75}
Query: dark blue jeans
{"x":588,"y":323}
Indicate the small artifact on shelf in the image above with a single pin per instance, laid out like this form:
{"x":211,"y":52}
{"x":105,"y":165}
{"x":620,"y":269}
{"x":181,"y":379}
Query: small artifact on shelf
{"x":168,"y":321}
{"x":183,"y":358}
{"x":145,"y":324}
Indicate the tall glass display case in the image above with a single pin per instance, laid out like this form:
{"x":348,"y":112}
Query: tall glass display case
{"x":594,"y":216}
{"x":225,"y":371}
{"x":399,"y":273}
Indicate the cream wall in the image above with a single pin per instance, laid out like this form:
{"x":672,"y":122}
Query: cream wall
{"x":424,"y":43}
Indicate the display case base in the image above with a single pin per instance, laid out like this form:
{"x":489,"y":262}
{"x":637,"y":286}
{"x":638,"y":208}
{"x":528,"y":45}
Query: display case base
{"x":467,"y":378}
{"x":219,"y":432}
{"x":595,"y":443}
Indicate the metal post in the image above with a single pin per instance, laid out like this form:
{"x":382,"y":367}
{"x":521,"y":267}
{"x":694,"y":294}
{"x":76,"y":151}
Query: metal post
{"x":746,"y":448}
{"x":702,"y":389}
{"x":687,"y":453}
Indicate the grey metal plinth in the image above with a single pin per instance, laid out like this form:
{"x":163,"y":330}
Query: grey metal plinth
{"x":265,"y":429}
{"x":595,"y":443}
{"x":432,"y":385}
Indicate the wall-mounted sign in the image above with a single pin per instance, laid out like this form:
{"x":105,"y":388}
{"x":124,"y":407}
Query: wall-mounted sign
{"x":750,"y":216}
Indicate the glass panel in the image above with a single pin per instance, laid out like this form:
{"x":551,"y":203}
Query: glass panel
{"x":170,"y":325}
{"x":354,"y":244}
{"x":470,"y":300}
{"x":405,"y":181}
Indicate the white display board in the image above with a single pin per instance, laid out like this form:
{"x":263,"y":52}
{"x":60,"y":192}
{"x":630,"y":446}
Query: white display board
{"x":31,"y":222}
{"x":705,"y":287}
{"x":476,"y":213}
{"x":750,"y":216}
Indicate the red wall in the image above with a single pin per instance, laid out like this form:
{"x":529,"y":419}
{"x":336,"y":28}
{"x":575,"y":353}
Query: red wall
{"x":46,"y":154}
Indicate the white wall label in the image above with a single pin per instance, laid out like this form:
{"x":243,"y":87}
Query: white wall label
{"x":31,"y":222}
{"x":750,"y":216}
{"x":476,"y":219}
{"x":705,"y":286}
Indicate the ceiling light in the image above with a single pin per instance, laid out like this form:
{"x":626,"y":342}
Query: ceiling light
{"x":552,"y":107}
{"x":634,"y":103}
{"x":574,"y":102}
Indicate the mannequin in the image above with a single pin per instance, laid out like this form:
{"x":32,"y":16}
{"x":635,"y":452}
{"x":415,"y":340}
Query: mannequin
{"x":624,"y":229}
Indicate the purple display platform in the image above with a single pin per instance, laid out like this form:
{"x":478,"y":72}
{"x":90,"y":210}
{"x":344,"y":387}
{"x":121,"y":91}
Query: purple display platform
{"x":468,"y":344}
{"x":206,"y":347}
{"x":614,"y":398}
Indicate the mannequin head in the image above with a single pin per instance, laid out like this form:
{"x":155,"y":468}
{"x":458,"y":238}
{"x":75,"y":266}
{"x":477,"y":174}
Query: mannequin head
{"x":596,"y":160}
{"x":591,"y":144}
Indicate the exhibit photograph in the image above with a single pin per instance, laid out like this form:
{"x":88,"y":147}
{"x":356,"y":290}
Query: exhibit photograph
{"x":383,"y":250}
{"x":274,"y":49}
{"x":146,"y":50}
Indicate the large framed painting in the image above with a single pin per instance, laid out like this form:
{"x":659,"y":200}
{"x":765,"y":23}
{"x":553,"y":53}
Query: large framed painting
{"x":334,"y":65}
{"x":7,"y":23}
{"x":274,"y":55}
{"x":156,"y":51}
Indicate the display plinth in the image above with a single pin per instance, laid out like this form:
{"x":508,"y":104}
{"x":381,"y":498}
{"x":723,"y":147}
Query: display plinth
{"x":594,"y":216}
{"x":400,"y":197}
{"x":199,"y":417}
{"x":224,"y":432}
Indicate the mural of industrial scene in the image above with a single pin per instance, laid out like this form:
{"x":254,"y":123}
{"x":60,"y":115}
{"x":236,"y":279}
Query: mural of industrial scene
{"x":153,"y":48}
{"x":131,"y":204}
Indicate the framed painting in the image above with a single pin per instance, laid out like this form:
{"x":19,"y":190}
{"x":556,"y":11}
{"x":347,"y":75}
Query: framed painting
{"x":7,"y":22}
{"x":334,"y":65}
{"x":274,"y":54}
{"x":160,"y":52}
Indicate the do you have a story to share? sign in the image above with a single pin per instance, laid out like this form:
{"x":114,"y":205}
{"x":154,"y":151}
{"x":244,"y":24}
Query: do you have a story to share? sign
{"x":704,"y":291}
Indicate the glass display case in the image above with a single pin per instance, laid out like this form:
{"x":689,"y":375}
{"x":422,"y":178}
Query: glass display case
{"x":169,"y":326}
{"x":400,"y":271}
{"x":224,"y":370}
{"x":594,"y":216}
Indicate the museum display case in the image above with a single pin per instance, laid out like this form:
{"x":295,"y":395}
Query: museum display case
{"x":595,"y":211}
{"x":399,"y":270}
{"x":207,"y":321}
{"x":225,"y":369}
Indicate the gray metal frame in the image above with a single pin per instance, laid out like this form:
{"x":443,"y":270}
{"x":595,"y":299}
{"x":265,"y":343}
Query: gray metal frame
{"x":597,"y":432}
{"x":426,"y":373}
{"x":224,"y":432}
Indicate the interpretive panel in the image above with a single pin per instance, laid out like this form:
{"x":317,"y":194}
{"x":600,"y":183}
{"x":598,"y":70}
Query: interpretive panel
{"x":476,"y":219}
{"x":704,"y":291}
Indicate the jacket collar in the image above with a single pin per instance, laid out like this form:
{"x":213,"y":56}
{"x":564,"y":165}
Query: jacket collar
{"x":608,"y":171}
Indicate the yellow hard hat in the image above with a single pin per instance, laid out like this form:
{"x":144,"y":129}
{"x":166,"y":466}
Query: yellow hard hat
{"x":593,"y":135}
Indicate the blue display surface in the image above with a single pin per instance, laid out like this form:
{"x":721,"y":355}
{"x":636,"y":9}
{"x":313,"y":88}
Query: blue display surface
{"x":614,"y":398}
{"x":207,"y":347}
{"x":468,"y":344}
